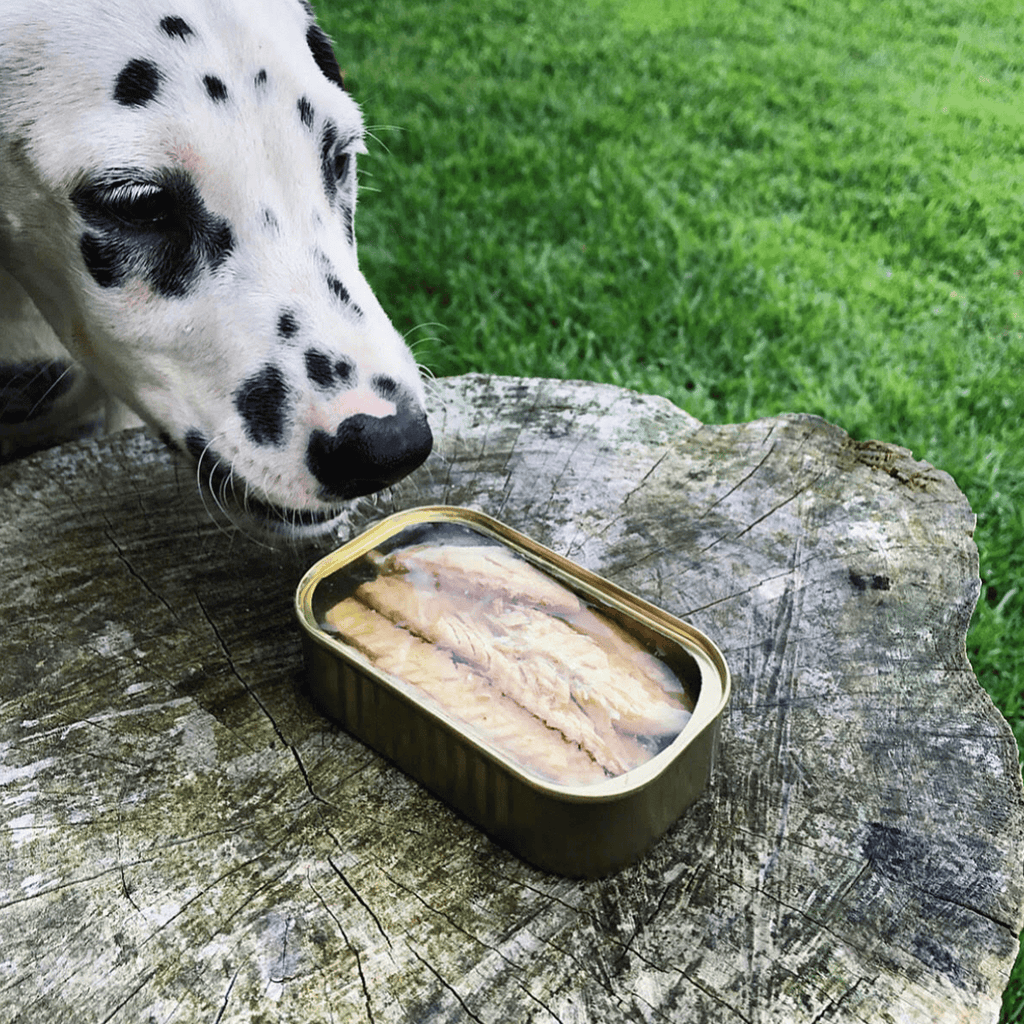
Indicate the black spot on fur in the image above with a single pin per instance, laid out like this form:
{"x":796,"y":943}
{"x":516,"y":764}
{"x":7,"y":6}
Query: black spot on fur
{"x":154,"y":226}
{"x":386,"y":387}
{"x":344,"y":371}
{"x":215,"y":88}
{"x":323,"y":54}
{"x":349,"y":218}
{"x":328,"y":146}
{"x":29,"y":390}
{"x":319,"y":369}
{"x":328,"y":375}
{"x":287,"y":325}
{"x":270,"y":220}
{"x":261,"y":78}
{"x":262,"y":402}
{"x":368,"y":453}
{"x":341,"y":292}
{"x":174,"y":26}
{"x":305,"y":111}
{"x":137,"y":83}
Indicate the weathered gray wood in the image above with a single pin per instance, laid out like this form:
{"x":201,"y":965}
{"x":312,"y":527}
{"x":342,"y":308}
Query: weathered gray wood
{"x":184,"y":838}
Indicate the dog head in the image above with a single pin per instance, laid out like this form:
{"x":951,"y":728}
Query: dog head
{"x":181,"y":208}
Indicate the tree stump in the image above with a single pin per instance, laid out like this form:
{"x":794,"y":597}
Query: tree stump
{"x":185,"y":838}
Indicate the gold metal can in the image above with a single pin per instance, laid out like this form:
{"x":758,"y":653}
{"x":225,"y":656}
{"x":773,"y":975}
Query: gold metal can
{"x":571,"y":720}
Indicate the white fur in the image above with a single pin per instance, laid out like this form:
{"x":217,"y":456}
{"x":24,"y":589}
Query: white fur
{"x":177,"y":362}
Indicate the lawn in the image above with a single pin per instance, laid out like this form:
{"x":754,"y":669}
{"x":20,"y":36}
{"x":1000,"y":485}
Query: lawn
{"x":746,"y":207}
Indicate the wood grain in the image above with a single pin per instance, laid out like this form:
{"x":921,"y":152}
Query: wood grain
{"x":184,"y":838}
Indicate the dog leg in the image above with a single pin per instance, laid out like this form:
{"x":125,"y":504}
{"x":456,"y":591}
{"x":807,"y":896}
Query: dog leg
{"x":45,"y":398}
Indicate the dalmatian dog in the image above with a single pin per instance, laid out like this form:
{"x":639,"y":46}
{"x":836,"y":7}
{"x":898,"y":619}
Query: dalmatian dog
{"x":177,"y":243}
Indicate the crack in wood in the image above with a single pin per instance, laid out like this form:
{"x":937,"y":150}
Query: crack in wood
{"x":674,"y":578}
{"x":444,"y":981}
{"x":206,"y":890}
{"x":119,"y":551}
{"x":227,"y":996}
{"x":684,"y":972}
{"x":263,"y":707}
{"x":732,"y":490}
{"x":788,"y":574}
{"x":352,"y":949}
{"x":835,"y":1004}
{"x":549,"y":896}
{"x":250,"y":899}
{"x":540,"y":1002}
{"x":452,"y":921}
{"x":706,"y":989}
{"x":642,"y":924}
{"x":126,"y":892}
{"x":146,"y":979}
{"x":556,"y":481}
{"x":587,"y":967}
{"x":820,"y":922}
{"x":656,"y":1011}
{"x":521,"y":426}
{"x":51,"y":890}
{"x":1008,"y":926}
{"x":642,"y":482}
{"x":760,"y":519}
{"x":352,"y":889}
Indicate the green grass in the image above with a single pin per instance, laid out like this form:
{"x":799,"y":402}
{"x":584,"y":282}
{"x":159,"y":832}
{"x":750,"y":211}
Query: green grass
{"x":747,"y":207}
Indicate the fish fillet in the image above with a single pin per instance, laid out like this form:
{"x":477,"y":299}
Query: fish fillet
{"x":492,"y":638}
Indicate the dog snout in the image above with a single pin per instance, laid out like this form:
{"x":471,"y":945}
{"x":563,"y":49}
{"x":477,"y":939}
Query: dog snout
{"x":367,"y":453}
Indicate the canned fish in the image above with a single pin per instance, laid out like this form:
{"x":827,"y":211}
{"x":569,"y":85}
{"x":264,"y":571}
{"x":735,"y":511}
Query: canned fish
{"x":571,"y":720}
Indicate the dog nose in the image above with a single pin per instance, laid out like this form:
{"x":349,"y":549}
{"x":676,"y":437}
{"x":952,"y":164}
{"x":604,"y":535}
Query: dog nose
{"x":368,"y":453}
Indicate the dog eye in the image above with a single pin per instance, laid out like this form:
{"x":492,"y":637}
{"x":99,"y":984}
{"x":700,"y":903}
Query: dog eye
{"x":141,"y":204}
{"x":342,"y":165}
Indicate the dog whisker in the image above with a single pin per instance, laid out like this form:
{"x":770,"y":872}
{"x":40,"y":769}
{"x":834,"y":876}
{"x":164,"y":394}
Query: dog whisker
{"x":371,"y":132}
{"x":214,"y":482}
{"x":420,"y":327}
{"x":438,"y":398}
{"x":70,"y":368}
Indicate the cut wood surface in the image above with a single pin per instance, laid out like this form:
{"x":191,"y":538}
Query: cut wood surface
{"x":185,"y":838}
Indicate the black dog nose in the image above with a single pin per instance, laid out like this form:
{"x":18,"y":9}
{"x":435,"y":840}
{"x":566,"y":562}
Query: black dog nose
{"x":369,"y":453}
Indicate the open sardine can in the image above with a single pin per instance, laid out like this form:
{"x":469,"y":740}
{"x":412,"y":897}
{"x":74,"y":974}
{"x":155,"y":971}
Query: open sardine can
{"x":569,"y":719}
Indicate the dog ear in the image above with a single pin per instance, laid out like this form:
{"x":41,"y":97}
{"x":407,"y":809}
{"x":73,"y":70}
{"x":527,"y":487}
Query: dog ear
{"x":323,"y":54}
